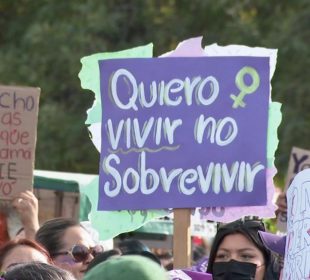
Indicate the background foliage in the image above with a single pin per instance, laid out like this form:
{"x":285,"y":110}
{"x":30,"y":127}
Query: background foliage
{"x":41,"y":43}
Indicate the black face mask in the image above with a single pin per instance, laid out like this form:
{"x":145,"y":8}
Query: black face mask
{"x":234,"y":270}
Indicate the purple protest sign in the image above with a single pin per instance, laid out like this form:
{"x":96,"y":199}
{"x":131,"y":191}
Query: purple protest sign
{"x":183,"y":132}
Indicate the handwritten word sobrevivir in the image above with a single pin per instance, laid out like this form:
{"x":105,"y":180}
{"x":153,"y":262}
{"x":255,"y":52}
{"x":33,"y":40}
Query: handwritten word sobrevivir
{"x":240,"y":175}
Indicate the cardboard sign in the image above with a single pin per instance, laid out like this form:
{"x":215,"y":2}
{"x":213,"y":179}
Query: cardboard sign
{"x":18,"y":126}
{"x":297,"y":252}
{"x":299,"y":160}
{"x":183,"y":132}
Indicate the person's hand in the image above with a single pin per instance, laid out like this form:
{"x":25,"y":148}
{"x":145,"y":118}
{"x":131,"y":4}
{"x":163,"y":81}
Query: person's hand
{"x":26,"y":205}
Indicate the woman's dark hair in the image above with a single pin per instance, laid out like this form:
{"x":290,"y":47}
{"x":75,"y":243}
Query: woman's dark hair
{"x":129,"y":246}
{"x":9,"y":246}
{"x":37,"y":271}
{"x":51,"y":233}
{"x":249,"y":229}
{"x":136,"y":247}
{"x":102,"y":257}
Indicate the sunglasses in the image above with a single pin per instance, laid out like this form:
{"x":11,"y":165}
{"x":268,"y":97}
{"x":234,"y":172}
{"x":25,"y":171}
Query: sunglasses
{"x":80,"y":253}
{"x":248,"y":224}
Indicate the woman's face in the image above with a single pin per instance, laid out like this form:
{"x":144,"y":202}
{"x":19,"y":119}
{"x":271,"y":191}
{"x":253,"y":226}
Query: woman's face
{"x":22,"y":254}
{"x":73,"y":236}
{"x":238,"y":247}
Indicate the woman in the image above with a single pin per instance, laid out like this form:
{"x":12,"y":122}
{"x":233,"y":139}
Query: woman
{"x":69,"y":244}
{"x":238,"y":253}
{"x":37,"y":271}
{"x":22,"y":251}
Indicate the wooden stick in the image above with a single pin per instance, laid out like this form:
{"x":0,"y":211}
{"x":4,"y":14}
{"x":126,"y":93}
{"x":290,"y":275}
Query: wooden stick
{"x":182,"y":238}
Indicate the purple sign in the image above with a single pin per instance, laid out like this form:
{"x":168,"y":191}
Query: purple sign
{"x":183,"y":132}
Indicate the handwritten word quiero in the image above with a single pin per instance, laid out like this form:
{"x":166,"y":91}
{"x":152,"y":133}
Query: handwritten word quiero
{"x":161,"y":92}
{"x":240,"y":175}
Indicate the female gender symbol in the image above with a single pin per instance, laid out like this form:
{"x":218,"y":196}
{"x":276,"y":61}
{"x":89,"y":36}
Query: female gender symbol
{"x":245,"y":89}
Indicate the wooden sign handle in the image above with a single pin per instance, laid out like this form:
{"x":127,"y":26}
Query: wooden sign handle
{"x":182,"y":238}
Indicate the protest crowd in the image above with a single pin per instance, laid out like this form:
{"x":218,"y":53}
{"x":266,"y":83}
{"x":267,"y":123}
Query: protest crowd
{"x":219,"y":186}
{"x":184,"y":179}
{"x":223,"y":179}
{"x":62,"y":248}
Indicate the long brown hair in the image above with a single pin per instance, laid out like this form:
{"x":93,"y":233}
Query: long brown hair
{"x":51,"y":233}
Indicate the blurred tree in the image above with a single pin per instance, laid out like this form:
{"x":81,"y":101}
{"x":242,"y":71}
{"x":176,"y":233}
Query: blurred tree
{"x":41,"y":43}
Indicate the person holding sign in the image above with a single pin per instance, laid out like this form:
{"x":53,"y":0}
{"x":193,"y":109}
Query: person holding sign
{"x":238,"y":253}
